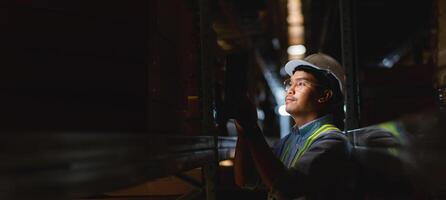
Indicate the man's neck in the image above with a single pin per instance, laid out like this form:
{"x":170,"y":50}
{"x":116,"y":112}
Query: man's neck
{"x":302,"y":120}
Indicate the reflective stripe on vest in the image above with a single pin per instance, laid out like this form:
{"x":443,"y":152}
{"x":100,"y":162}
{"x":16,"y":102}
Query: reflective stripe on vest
{"x":392,"y":128}
{"x":324,"y":128}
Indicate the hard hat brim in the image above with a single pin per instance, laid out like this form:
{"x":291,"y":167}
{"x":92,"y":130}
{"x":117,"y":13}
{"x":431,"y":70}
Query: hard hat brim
{"x":292,"y":65}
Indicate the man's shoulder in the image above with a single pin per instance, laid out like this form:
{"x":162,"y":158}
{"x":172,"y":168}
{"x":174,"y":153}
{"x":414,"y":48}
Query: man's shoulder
{"x":332,"y":136}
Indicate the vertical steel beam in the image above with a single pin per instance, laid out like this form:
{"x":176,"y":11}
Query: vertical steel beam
{"x":207,"y":74}
{"x":206,"y":64}
{"x":210,"y":177}
{"x":350,"y":62}
{"x":438,"y":34}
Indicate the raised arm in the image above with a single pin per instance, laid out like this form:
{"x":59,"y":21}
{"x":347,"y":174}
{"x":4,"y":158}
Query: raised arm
{"x":252,"y":149}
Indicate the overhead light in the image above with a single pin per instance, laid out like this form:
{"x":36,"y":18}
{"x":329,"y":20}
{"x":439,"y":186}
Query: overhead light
{"x":224,"y":45}
{"x":296,"y":50}
{"x":390,"y":61}
{"x":226,"y":163}
{"x":282,"y":111}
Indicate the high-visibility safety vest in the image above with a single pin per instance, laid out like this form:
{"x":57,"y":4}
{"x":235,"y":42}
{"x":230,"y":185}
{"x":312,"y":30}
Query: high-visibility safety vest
{"x":324,"y":128}
{"x":392,"y":127}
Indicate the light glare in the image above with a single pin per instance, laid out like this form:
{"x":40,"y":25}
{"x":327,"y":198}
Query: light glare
{"x":226,"y":163}
{"x":296,"y":50}
{"x":282,"y":111}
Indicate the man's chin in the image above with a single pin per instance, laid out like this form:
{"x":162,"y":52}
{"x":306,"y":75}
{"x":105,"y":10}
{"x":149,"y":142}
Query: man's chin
{"x":289,"y":110}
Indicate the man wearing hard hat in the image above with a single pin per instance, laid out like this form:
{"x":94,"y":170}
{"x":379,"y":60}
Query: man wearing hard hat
{"x":312,"y":161}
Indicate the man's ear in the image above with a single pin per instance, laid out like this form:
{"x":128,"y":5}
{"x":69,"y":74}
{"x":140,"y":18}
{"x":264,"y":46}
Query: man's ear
{"x":326,"y":96}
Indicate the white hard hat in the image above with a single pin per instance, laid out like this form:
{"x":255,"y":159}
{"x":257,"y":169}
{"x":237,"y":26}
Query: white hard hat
{"x":319,"y":62}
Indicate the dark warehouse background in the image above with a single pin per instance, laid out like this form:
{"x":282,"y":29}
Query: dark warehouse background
{"x":134,"y":99}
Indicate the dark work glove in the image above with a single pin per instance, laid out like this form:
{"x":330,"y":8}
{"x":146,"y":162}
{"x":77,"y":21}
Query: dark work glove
{"x":246,"y":118}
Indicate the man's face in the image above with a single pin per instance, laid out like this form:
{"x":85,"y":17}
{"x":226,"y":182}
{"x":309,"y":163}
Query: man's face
{"x":301,"y":98}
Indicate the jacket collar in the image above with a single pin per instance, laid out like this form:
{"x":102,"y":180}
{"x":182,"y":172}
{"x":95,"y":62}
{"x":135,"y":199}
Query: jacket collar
{"x":308,"y":128}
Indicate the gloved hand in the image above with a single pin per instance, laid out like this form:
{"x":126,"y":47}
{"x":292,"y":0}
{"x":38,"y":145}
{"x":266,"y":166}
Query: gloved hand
{"x":246,"y":117}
